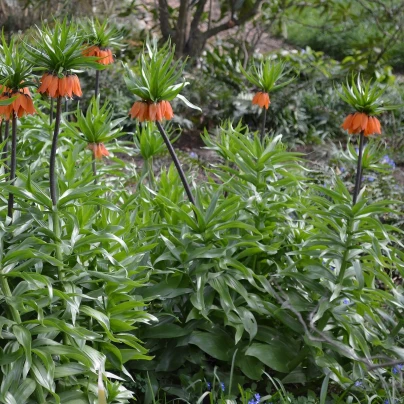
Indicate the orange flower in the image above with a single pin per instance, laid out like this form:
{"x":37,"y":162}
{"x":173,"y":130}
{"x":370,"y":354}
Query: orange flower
{"x":22,"y":105}
{"x":98,"y":149}
{"x":144,"y":111}
{"x":261,"y":99}
{"x":361,"y":122}
{"x":105,"y":55}
{"x":67,"y":86}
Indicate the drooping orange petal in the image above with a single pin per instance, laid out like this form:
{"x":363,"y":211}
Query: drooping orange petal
{"x":264,"y":100}
{"x":63,"y":86}
{"x":168,"y":111}
{"x":378,"y":126}
{"x":103,"y":150}
{"x":357,"y":121}
{"x":53,"y":87}
{"x":25,"y":91}
{"x":134,"y":111}
{"x":46,"y":79}
{"x":152,"y":112}
{"x":159,"y":112}
{"x":15,"y":105}
{"x":347,"y":122}
{"x":111,"y":56}
{"x":30,"y":106}
{"x":69,"y":86}
{"x":255,"y":99}
{"x":144,"y":112}
{"x":76,"y":86}
{"x":96,"y":151}
{"x":365,"y":120}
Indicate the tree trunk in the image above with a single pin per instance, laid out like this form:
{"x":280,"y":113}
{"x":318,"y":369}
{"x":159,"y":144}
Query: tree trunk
{"x":182,"y":28}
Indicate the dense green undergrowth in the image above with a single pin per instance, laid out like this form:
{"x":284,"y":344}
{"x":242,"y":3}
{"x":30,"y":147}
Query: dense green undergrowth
{"x":270,"y":273}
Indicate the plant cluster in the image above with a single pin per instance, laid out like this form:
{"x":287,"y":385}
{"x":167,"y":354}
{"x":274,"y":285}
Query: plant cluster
{"x":114,"y":286}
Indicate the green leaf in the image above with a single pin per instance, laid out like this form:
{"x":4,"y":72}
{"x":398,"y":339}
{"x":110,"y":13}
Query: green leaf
{"x":215,"y":345}
{"x":275,"y":354}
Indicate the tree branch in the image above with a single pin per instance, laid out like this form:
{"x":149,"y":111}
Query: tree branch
{"x":164,"y":19}
{"x":197,"y":15}
{"x":232,"y":23}
{"x":182,"y":24}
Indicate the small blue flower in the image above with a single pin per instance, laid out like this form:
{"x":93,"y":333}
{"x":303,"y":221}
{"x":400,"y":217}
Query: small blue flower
{"x":342,"y":169}
{"x":193,"y":155}
{"x":252,"y":401}
{"x":400,"y":367}
{"x":209,"y":386}
{"x":386,"y":401}
{"x":257,"y":397}
{"x":387,"y":160}
{"x":357,"y":150}
{"x":358,"y":383}
{"x":346,"y":301}
{"x":222,"y":386}
{"x":332,"y":267}
{"x":371,"y":179}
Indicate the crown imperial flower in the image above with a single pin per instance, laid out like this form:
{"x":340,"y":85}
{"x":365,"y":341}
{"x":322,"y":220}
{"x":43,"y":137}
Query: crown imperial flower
{"x":99,"y":39}
{"x":157,"y":84}
{"x":55,"y":86}
{"x":21,"y":105}
{"x":366,"y":99}
{"x":58,"y":53}
{"x":265,"y":77}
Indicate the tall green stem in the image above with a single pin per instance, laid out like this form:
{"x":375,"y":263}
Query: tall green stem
{"x":67,"y":108}
{"x":13,"y":164}
{"x":57,"y":233}
{"x":52,"y":165}
{"x":264,"y":121}
{"x":358,"y":180}
{"x":51,"y":111}
{"x":97,"y":83}
{"x":5,"y":149}
{"x":176,"y":161}
{"x":94,"y":167}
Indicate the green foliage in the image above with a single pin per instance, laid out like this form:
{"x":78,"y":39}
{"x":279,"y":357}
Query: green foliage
{"x":97,"y":125}
{"x":101,"y":34}
{"x":266,"y":75}
{"x":58,"y":50}
{"x":15,"y":71}
{"x":158,"y":74}
{"x":273,"y":281}
{"x":364,"y":97}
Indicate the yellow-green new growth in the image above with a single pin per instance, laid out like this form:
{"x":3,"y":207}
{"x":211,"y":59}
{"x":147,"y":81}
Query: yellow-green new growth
{"x":59,"y":50}
{"x":158,"y":77}
{"x":365,"y":97}
{"x":266,"y":75}
{"x":101,"y":34}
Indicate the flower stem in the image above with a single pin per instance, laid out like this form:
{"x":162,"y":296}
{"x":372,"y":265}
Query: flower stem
{"x":52,"y":180}
{"x":264,"y":121}
{"x":51,"y":111}
{"x":67,"y":107}
{"x":176,"y":161}
{"x":13,"y":163}
{"x":57,"y":233}
{"x":97,"y":83}
{"x":358,"y":180}
{"x":94,"y":167}
{"x":5,"y":149}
